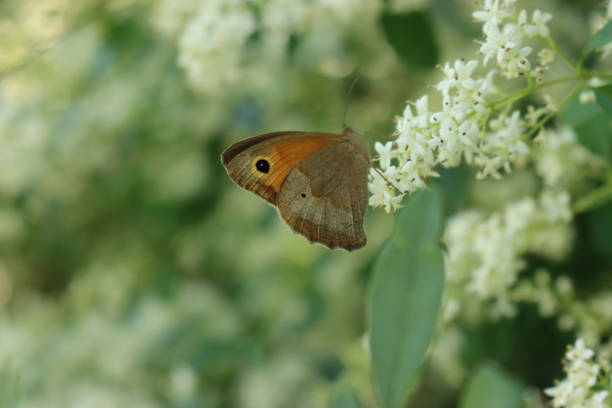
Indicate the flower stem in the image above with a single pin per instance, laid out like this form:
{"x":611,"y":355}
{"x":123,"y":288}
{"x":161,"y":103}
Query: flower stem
{"x":556,"y":50}
{"x":484,"y":123}
{"x":526,"y":91}
{"x":591,"y":74}
{"x":595,"y":198}
{"x":546,"y":118}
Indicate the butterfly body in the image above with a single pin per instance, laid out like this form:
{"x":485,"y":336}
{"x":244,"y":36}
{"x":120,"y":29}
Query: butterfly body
{"x":317,"y":181}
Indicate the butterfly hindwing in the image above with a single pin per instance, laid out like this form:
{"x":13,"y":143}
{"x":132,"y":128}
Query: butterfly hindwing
{"x":325,"y":196}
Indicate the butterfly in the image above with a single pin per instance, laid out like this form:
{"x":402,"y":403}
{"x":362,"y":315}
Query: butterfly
{"x":317,"y":181}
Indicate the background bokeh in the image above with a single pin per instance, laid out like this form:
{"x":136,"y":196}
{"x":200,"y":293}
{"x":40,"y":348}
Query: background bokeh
{"x":134,"y":273}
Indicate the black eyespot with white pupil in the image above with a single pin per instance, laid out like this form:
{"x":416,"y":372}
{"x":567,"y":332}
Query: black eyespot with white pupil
{"x":262,"y":166}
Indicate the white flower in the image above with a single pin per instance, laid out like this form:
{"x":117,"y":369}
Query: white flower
{"x":546,"y":56}
{"x":422,"y":109}
{"x":564,"y":286}
{"x":381,"y":195}
{"x":587,"y":96}
{"x":597,"y":400}
{"x":499,"y":42}
{"x":583,"y":374}
{"x":579,"y":352}
{"x":384,"y":154}
{"x":454,"y":140}
{"x":464,"y":70}
{"x":516,"y":63}
{"x":560,"y":393}
{"x":596,"y":82}
{"x":538,"y":25}
{"x":562,"y":162}
{"x":456,"y":75}
{"x":557,"y":206}
{"x":378,"y":189}
{"x":493,"y":12}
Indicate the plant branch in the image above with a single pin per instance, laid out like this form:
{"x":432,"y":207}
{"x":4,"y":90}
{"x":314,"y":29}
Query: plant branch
{"x":595,"y":198}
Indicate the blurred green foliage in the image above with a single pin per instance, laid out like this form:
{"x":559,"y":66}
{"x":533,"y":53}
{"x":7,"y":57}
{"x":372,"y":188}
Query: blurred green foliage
{"x":134,"y":273}
{"x":491,"y":387}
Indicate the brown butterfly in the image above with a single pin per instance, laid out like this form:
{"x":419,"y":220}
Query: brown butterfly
{"x":317,"y":181}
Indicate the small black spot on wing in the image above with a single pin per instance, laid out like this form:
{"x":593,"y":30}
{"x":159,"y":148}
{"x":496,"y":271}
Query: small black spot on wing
{"x":263,"y":166}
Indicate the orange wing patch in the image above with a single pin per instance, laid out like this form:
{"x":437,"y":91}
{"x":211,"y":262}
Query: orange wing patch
{"x":284,"y":156}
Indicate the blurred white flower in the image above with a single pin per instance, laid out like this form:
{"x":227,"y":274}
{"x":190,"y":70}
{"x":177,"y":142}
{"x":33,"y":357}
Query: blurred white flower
{"x":485,"y":253}
{"x":597,"y":400}
{"x":170,"y":16}
{"x":211,"y":45}
{"x":587,"y":96}
{"x":183,"y":382}
{"x":538,"y":25}
{"x":492,"y":12}
{"x":546,"y":56}
{"x":562,"y":162}
{"x":273,"y":385}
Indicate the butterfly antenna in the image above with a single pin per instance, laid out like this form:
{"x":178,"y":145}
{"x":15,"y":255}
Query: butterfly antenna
{"x":348,"y":98}
{"x":376,"y":169}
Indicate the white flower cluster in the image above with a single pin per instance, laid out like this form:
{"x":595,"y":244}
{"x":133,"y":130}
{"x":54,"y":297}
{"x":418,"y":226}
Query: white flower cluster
{"x":170,"y":17}
{"x":467,"y":123}
{"x":211,"y":47}
{"x":231,"y":42}
{"x":591,"y":318}
{"x":484,"y":253}
{"x":580,"y":388}
{"x":561,"y":161}
{"x":505,"y":35}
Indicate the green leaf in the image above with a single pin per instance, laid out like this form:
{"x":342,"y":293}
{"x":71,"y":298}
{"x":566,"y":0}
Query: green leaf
{"x":577,"y":112}
{"x":405,"y":298}
{"x":604,"y":98}
{"x":346,"y":399}
{"x":598,"y":226}
{"x":591,"y":124}
{"x":412,"y":37}
{"x":601,"y":38}
{"x":491,"y":387}
{"x":594,"y":134}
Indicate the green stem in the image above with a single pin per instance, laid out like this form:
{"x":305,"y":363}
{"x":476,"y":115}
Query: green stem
{"x":529,"y":79}
{"x":560,"y":53}
{"x":546,"y":118}
{"x":484,"y":123}
{"x":526,"y":91}
{"x":591,"y":74}
{"x":595,"y":198}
